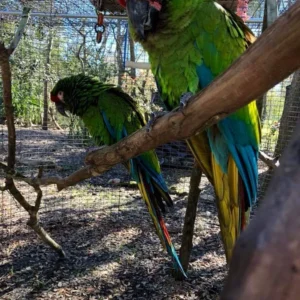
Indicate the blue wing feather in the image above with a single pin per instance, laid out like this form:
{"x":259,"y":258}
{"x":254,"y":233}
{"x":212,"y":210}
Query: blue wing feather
{"x":236,"y":140}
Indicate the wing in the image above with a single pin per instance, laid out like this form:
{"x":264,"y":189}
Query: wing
{"x":212,"y":41}
{"x":222,"y":41}
{"x":122,"y":117}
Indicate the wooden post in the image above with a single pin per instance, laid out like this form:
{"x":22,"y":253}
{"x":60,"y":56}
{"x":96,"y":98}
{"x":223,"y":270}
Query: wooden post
{"x":190,"y":217}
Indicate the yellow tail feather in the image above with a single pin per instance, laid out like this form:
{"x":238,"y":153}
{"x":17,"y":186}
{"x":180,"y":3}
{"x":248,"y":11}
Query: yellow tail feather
{"x":199,"y":146}
{"x":228,"y":203}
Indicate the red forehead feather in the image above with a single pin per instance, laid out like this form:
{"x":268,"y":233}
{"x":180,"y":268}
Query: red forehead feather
{"x":54,"y":98}
{"x":156,"y":4}
{"x":122,"y":2}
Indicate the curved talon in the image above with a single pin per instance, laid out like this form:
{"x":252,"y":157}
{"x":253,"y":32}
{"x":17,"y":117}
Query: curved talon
{"x":153,"y":118}
{"x":185,"y":98}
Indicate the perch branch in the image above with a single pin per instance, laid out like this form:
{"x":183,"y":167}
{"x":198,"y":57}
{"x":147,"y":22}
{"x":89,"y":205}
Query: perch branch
{"x":61,"y":183}
{"x":245,"y":80}
{"x":269,"y":248}
{"x":34,"y":223}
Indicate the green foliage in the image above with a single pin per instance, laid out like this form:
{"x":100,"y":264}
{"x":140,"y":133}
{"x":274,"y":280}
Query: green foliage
{"x":30,"y":69}
{"x":271,"y":116}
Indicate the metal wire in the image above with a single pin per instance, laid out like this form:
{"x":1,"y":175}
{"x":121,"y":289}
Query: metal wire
{"x":75,"y":50}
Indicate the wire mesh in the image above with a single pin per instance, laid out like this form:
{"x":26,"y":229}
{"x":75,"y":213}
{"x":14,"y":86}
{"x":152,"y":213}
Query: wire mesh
{"x":53,"y":48}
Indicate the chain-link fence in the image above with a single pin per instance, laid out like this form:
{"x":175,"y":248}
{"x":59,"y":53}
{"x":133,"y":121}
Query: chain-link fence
{"x":60,"y":40}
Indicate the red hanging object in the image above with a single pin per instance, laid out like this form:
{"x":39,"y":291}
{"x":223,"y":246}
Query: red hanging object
{"x":122,"y":3}
{"x":99,"y":27}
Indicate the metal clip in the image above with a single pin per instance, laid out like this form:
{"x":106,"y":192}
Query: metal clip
{"x":99,"y":28}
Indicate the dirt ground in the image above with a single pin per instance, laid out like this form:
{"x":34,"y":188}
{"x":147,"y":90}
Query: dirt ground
{"x":112,"y":249}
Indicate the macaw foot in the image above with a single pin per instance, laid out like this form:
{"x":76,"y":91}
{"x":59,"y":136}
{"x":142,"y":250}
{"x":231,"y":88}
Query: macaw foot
{"x":155,"y":98}
{"x":153,"y":118}
{"x":185,"y":98}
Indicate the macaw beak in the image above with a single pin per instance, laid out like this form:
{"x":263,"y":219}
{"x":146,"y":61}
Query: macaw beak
{"x":142,"y":16}
{"x":60,"y":107}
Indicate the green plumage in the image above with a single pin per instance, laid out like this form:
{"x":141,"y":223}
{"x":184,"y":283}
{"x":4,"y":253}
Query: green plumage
{"x":190,"y":43}
{"x":110,"y":115}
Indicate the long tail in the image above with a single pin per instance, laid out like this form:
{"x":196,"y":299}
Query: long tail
{"x":231,"y":203}
{"x":229,"y":189}
{"x":155,"y":197}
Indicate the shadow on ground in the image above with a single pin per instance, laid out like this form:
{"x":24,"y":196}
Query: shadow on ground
{"x":111,"y":255}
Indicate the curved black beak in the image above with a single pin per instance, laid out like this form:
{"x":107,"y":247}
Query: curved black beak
{"x":61,"y":109}
{"x":142,"y":16}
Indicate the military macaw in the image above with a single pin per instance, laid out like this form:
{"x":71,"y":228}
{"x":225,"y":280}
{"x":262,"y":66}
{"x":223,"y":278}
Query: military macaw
{"x":189,"y":43}
{"x":110,"y":115}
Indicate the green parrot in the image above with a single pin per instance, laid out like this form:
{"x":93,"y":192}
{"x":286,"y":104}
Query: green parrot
{"x":189,"y":43}
{"x":110,"y":115}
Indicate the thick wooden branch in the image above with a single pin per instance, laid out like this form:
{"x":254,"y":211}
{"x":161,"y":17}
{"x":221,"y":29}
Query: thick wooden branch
{"x":266,"y":260}
{"x":273,"y":57}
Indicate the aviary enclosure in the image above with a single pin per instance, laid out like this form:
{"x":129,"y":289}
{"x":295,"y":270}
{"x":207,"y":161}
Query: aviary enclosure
{"x":101,"y":223}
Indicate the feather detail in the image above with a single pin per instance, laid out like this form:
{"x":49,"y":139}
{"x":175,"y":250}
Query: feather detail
{"x":110,"y":115}
{"x":193,"y":43}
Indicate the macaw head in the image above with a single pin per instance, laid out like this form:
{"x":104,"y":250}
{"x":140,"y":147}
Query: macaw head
{"x":143,"y":15}
{"x":71,"y":94}
{"x":58,"y":96}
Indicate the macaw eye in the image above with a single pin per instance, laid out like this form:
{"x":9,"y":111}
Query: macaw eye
{"x":60,"y":96}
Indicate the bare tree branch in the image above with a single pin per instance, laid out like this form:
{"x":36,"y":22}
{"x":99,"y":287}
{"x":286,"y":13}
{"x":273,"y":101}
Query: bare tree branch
{"x":14,"y":43}
{"x":9,"y":114}
{"x":82,"y":44}
{"x":269,"y":161}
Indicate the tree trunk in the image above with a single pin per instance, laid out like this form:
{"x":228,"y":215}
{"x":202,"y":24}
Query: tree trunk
{"x":46,"y":80}
{"x":8,"y":107}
